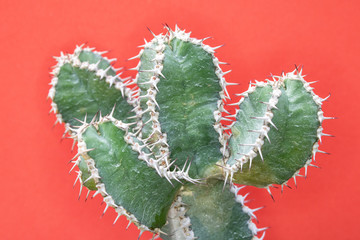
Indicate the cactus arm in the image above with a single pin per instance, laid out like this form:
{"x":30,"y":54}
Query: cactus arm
{"x":179,"y":81}
{"x":127,"y":184}
{"x":85,"y":83}
{"x":187,"y":118}
{"x":210,"y":212}
{"x":293,"y":130}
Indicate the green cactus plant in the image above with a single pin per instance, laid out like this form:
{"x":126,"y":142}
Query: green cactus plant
{"x":166,"y":153}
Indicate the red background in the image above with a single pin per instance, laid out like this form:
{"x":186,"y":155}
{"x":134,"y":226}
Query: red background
{"x":261,"y":37}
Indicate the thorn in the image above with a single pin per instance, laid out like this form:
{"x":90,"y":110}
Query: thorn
{"x":106,"y":208}
{"x":150,"y":31}
{"x":259,"y":150}
{"x":214,"y":48}
{"x":328,"y":118}
{"x":224,"y":73}
{"x":134,"y":57}
{"x":77,"y":178}
{"x":167,"y":178}
{"x":327,"y":135}
{"x":226,"y":177}
{"x":206,"y":38}
{"x":81,"y":187}
{"x":297,"y":70}
{"x":128,"y":225}
{"x":326,"y":98}
{"x":312,"y":165}
{"x":268,"y":189}
{"x":295,"y":180}
{"x":312,"y":82}
{"x":323,"y":152}
{"x":117,"y":217}
{"x":141,"y":232}
{"x":87,"y":195}
{"x":102,"y":52}
{"x":112,"y":111}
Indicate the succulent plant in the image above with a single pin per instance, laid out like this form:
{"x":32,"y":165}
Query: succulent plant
{"x":163,"y":149}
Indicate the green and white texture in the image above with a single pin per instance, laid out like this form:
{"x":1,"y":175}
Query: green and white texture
{"x":166,"y":153}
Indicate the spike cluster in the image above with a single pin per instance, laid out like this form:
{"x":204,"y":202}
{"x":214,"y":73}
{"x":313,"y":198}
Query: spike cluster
{"x":168,"y":124}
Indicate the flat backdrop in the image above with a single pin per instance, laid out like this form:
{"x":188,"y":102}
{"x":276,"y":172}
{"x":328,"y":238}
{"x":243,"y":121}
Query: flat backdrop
{"x":37,"y":200}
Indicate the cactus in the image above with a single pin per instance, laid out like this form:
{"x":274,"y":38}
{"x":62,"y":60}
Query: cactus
{"x":163,"y":150}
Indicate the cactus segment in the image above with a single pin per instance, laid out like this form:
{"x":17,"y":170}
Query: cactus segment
{"x":181,"y":90}
{"x":288,"y":138}
{"x":207,"y":212}
{"x":85,"y":83}
{"x":127,"y":184}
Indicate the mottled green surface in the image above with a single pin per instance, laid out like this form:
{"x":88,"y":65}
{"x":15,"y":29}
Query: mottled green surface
{"x":214,"y":213}
{"x":241,"y":134}
{"x":291,"y":145}
{"x":80,"y":92}
{"x":85,"y":174}
{"x":187,"y":98}
{"x":130,"y":182}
